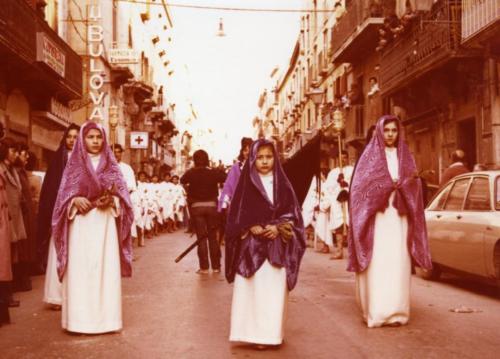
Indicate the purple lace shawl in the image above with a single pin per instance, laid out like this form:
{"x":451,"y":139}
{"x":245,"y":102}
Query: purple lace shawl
{"x":80,"y":179}
{"x":230,"y":184}
{"x":250,"y":206}
{"x":371,"y":187}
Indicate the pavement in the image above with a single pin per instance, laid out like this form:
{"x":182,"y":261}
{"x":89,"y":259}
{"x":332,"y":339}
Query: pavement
{"x":171,"y":312}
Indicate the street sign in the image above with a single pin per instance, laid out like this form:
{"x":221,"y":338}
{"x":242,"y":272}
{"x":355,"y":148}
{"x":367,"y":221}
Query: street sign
{"x":139,"y":140}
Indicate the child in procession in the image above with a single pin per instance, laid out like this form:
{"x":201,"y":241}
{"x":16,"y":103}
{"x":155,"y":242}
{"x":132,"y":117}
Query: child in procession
{"x":265,"y":243}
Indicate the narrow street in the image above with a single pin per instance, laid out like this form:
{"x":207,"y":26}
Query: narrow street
{"x":171,"y":312}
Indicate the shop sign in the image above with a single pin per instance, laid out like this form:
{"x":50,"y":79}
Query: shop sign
{"x":123,"y":56}
{"x":50,"y":54}
{"x":139,"y":140}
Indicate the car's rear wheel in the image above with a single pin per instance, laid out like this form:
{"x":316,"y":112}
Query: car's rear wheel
{"x":429,"y":274}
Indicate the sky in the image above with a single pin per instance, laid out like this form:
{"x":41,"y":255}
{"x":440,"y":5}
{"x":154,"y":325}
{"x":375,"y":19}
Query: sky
{"x":222,"y":77}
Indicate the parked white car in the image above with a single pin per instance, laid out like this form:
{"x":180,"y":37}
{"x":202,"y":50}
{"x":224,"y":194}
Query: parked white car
{"x":463,"y":223}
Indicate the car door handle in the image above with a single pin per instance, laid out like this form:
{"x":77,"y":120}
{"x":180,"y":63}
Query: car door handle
{"x":488,"y":228}
{"x":459,"y":217}
{"x":438,"y":216}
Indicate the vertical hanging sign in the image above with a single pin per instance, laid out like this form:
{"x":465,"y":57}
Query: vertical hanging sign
{"x":95,"y":37}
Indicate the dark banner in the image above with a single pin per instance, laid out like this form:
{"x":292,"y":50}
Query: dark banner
{"x":303,"y":166}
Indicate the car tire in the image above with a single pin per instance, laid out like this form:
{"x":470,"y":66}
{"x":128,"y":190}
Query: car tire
{"x":429,"y":274}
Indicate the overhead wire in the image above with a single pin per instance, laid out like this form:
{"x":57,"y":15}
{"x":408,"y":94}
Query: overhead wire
{"x":226,"y":8}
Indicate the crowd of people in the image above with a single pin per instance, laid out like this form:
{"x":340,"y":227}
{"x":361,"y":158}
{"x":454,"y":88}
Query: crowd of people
{"x":90,"y":209}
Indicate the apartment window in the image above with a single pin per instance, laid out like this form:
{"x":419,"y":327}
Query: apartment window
{"x":308,"y":118}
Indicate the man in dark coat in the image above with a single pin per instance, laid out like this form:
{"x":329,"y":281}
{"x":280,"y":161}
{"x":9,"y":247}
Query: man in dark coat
{"x":456,"y":168}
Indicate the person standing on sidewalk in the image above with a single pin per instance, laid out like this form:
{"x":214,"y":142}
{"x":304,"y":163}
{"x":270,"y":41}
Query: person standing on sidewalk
{"x":202,"y":186}
{"x":5,"y":251}
{"x":45,"y":243}
{"x":456,"y":168}
{"x":91,"y":226}
{"x":387,"y":226}
{"x":8,"y":157}
{"x":265,"y":242}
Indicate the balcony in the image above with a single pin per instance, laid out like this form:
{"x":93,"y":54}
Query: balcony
{"x":44,"y":56}
{"x":429,"y":43}
{"x":355,"y":124}
{"x":480,"y":19}
{"x":356,"y":33}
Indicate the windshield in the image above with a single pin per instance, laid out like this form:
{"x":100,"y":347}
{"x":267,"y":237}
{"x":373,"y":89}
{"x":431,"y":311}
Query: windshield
{"x":497,"y":193}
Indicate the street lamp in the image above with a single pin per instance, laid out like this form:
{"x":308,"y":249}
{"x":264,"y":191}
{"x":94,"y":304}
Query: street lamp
{"x":338,"y":125}
{"x":316,"y":95}
{"x":113,"y":122}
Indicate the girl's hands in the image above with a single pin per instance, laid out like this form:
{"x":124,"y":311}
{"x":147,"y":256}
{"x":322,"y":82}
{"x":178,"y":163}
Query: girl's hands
{"x":256,"y":230}
{"x":82,"y":204}
{"x":270,"y":231}
{"x":104,"y":202}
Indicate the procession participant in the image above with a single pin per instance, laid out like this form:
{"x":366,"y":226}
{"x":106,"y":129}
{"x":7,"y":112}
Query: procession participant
{"x":179,"y":201}
{"x":5,"y":250}
{"x":8,"y":156}
{"x":168,"y":203}
{"x":387,"y":226}
{"x":265,"y":243}
{"x":202,"y":189}
{"x":129,"y":176}
{"x":48,"y":194}
{"x":336,"y":198}
{"x":91,"y":228}
{"x":316,"y":211}
{"x":234,"y":175}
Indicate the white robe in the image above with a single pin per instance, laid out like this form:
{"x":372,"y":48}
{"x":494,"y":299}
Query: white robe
{"x":332,"y":190}
{"x":129,"y":176}
{"x":383,"y":289}
{"x":92,"y":283}
{"x":258,"y":310}
{"x":318,"y":219}
{"x":53,"y":289}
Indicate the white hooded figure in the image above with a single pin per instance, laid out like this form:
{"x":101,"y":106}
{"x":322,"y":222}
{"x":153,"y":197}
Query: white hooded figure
{"x":315,"y":210}
{"x":179,"y":199}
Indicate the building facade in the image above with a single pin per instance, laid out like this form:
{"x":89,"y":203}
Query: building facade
{"x":432,"y":63}
{"x":40,"y":77}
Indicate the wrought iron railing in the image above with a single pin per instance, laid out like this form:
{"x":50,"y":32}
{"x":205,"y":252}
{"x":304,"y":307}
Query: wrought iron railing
{"x":429,"y":40}
{"x":356,"y":14}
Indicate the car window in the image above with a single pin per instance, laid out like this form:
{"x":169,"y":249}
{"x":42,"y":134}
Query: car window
{"x":497,"y":197}
{"x":478,"y":198}
{"x":457,"y":194}
{"x":438,"y":202}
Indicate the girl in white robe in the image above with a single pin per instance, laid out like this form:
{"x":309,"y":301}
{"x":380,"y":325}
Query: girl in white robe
{"x":387,"y":226}
{"x":91,"y":228}
{"x":265,"y":243}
